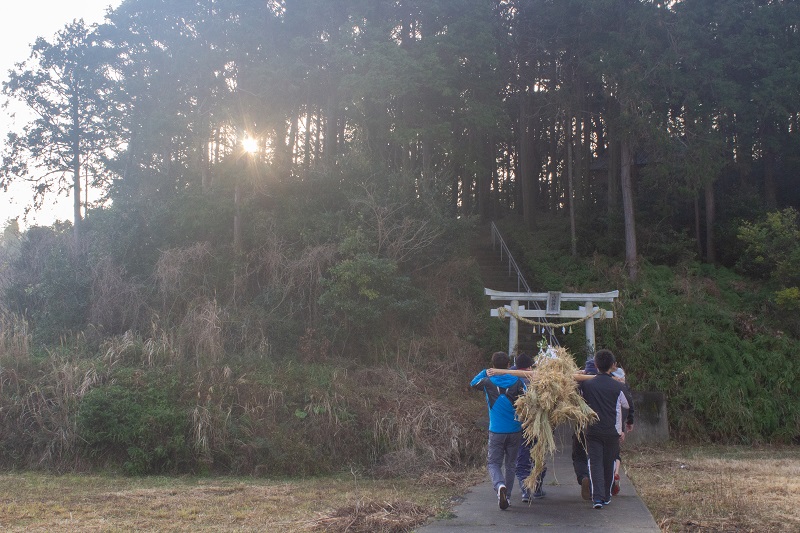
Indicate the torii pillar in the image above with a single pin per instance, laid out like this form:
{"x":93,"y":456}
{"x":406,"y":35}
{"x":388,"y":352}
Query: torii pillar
{"x":588,"y":311}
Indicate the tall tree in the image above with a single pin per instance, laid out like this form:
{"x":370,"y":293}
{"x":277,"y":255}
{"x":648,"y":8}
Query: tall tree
{"x":65,"y":85}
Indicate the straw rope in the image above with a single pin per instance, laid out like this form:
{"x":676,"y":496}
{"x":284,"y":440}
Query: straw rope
{"x":502,"y":312}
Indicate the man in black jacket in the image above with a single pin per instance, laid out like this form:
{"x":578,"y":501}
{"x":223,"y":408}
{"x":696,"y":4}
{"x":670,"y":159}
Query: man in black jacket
{"x":607,"y":397}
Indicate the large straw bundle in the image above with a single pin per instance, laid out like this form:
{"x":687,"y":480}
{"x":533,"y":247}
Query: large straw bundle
{"x":551,"y":399}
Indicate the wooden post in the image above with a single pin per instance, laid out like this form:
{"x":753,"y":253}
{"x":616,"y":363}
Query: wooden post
{"x":513,"y":329}
{"x":590,"y":327}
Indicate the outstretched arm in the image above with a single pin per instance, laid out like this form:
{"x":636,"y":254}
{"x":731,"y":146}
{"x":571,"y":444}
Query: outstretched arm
{"x":519,"y":373}
{"x":528,"y":374}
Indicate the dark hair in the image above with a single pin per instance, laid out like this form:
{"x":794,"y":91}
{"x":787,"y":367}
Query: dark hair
{"x":604,"y":360}
{"x":500,"y":360}
{"x":523,"y":361}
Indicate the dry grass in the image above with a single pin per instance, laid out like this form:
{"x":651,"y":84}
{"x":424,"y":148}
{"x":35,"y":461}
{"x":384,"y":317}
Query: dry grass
{"x":708,"y":490}
{"x":37,"y":502}
{"x":719,"y":489}
{"x":15,"y":337}
{"x":551,"y":399}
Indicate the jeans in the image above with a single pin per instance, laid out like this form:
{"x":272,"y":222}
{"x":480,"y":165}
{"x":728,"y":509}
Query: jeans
{"x":503,"y":448}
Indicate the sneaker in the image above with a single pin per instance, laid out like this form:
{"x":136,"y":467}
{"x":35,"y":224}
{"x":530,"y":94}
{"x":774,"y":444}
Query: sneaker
{"x":526,"y":495}
{"x":597,"y":505}
{"x":538,"y":492}
{"x":615,"y":485}
{"x":607,"y":502}
{"x":502,"y":496}
{"x":586,"y":489}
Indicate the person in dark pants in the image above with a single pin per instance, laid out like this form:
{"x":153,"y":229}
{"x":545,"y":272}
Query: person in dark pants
{"x":579,"y":460}
{"x":524,"y":465}
{"x":505,"y":431}
{"x":607,"y":398}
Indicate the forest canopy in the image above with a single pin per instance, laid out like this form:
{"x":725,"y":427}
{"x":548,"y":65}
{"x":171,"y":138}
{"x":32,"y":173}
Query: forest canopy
{"x":481,"y":107}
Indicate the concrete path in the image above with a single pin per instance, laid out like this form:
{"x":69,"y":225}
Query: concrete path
{"x":562,"y":510}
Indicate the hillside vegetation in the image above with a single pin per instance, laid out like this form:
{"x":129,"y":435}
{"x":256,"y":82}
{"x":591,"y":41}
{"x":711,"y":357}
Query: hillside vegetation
{"x":717,"y":343}
{"x":266,"y":270}
{"x":304,"y":357}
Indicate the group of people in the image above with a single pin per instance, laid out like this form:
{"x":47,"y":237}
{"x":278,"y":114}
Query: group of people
{"x":595,"y":453}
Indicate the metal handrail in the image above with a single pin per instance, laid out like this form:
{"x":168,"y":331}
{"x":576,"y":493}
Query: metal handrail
{"x":497,"y":238}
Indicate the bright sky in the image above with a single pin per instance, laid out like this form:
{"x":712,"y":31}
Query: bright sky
{"x":21,"y":22}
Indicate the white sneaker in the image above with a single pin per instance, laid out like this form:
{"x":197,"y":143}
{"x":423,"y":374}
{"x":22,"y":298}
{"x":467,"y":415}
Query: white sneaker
{"x":502,"y":497}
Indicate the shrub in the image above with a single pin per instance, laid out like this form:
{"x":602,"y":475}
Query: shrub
{"x":366,"y":294}
{"x":49,"y":283}
{"x":772,"y":247}
{"x":143,"y":429}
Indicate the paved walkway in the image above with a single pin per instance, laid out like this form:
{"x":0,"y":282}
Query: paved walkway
{"x":562,"y":510}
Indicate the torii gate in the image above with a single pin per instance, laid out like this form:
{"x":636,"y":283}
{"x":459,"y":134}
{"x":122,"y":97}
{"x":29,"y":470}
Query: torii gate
{"x":585,"y":313}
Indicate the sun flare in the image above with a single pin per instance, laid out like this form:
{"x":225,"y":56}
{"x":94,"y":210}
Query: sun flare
{"x":250,"y":145}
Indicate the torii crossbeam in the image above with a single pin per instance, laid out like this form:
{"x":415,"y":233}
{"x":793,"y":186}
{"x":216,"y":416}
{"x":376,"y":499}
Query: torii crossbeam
{"x":585,"y":313}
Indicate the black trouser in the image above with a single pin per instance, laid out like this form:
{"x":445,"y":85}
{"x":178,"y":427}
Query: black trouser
{"x":579,"y":459}
{"x":603,"y":450}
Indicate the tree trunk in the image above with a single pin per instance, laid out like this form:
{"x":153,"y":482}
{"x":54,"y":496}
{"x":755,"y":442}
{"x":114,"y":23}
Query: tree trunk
{"x":626,"y":181}
{"x":76,"y":168}
{"x":612,"y":159}
{"x":769,"y":160}
{"x":573,"y":238}
{"x":551,"y":178}
{"x":485,"y":177}
{"x":330,"y":149}
{"x":237,"y":218}
{"x":205,"y":168}
{"x":458,"y":170}
{"x":711,"y":255}
{"x":770,"y":191}
{"x":526,"y":175}
{"x":697,"y":233}
{"x":307,"y":142}
{"x":291,"y":153}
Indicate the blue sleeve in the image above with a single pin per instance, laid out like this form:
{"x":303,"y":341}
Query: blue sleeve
{"x":477,"y":379}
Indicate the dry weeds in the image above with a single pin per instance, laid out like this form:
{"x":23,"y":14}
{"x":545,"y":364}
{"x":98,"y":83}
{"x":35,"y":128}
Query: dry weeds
{"x":15,"y":337}
{"x":36,"y":502}
{"x":551,"y":399}
{"x":708,"y":490}
{"x":719,"y":489}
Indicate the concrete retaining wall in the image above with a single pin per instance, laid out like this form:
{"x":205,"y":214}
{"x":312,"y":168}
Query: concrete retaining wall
{"x":650,"y":419}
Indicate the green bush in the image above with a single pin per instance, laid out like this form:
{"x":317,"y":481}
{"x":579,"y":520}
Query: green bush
{"x":145,"y":430}
{"x":49,"y":283}
{"x":368,"y":294}
{"x":772,"y":247}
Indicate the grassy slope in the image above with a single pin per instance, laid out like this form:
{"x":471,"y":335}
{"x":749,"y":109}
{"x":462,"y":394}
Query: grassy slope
{"x":705,"y":336}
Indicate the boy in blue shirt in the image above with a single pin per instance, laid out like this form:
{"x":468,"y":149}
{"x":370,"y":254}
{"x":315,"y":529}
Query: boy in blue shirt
{"x":505,"y":431}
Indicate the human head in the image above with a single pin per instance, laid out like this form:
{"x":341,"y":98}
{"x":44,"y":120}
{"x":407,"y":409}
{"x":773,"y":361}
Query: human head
{"x":523,"y":361}
{"x":499,"y":360}
{"x":604,"y":360}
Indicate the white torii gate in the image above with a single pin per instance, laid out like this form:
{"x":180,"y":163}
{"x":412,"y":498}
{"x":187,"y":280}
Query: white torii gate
{"x":587,"y":312}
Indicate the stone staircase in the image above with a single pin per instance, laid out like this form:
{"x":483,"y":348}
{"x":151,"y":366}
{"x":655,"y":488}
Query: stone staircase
{"x":498,"y":275}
